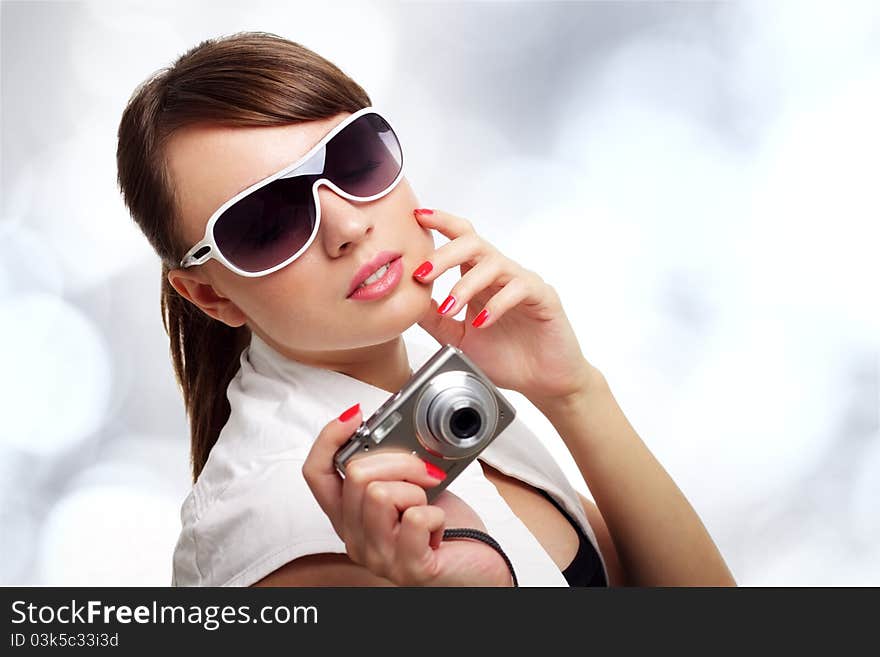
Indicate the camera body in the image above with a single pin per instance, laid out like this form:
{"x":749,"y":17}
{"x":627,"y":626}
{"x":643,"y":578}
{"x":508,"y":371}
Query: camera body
{"x":447,"y":413}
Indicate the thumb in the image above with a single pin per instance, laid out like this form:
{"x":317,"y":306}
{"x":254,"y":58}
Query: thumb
{"x":444,"y":329}
{"x":318,"y":467}
{"x":319,"y":470}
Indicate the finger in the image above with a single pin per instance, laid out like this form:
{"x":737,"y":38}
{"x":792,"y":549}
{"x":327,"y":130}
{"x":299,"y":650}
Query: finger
{"x":384,"y":502}
{"x":445,"y":223}
{"x":415,"y":558}
{"x":519,"y":291}
{"x":486,"y":274}
{"x":319,"y":471}
{"x":436,"y":538}
{"x":383,"y":466}
{"x":470,"y":248}
{"x":443,"y":328}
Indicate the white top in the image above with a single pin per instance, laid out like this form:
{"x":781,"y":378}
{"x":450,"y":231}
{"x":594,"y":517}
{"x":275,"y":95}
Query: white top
{"x":250,"y":511}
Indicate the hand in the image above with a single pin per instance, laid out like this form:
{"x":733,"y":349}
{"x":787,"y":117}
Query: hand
{"x":380,"y":511}
{"x":526,"y":342}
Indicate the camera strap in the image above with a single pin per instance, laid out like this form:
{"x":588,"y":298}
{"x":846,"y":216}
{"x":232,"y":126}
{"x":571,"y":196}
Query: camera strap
{"x":478,"y":535}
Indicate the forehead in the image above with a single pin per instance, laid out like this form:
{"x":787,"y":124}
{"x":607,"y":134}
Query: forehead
{"x":209,"y":164}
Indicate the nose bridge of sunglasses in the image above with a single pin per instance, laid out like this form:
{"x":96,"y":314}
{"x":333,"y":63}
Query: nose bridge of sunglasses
{"x":333,"y":192}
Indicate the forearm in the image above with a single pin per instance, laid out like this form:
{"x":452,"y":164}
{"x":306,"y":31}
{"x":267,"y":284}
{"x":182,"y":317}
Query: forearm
{"x":659,"y":537}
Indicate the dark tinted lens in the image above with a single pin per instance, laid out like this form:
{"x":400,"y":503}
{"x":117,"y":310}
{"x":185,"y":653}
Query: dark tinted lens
{"x":364,"y":158}
{"x":267,"y":227}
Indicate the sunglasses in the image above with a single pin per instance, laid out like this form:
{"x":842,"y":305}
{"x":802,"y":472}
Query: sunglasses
{"x":271,"y":223}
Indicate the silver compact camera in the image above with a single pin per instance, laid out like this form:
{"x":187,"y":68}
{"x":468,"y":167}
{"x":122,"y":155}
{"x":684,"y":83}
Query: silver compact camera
{"x":447,"y":413}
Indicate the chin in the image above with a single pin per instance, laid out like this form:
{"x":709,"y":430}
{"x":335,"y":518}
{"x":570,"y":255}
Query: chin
{"x":403,"y":311}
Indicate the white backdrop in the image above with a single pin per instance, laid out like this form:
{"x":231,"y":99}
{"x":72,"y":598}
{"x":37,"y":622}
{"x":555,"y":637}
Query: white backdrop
{"x":699,"y":182}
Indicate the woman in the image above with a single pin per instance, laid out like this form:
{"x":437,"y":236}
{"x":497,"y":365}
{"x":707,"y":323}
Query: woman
{"x":269,"y":329}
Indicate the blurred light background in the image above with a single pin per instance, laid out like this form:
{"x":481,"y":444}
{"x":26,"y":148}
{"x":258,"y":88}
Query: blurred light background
{"x":698,"y":180}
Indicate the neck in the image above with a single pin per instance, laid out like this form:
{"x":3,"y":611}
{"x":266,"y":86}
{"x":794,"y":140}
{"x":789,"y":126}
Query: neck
{"x":384,"y":365}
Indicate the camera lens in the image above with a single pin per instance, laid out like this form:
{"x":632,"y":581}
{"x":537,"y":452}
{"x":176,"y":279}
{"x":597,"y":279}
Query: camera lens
{"x":464,"y":423}
{"x":456,"y":414}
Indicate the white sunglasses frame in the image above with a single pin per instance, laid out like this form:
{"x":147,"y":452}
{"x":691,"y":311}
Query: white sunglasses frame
{"x":189,"y":260}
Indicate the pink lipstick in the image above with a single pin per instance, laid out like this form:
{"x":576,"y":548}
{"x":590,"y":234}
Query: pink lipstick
{"x":385,"y":285}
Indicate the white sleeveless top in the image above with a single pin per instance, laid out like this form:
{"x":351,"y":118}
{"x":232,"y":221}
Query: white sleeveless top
{"x":251,"y":511}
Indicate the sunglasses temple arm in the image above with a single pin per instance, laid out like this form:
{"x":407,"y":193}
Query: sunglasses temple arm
{"x":189,"y":259}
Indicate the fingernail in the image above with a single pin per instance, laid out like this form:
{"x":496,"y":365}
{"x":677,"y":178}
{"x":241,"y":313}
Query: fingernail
{"x":450,"y":301}
{"x":350,"y":413}
{"x":423,"y":270}
{"x":479,"y":319}
{"x":434,"y":471}
{"x":423,"y":211}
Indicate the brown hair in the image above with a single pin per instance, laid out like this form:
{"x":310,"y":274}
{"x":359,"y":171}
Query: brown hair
{"x":245,"y":79}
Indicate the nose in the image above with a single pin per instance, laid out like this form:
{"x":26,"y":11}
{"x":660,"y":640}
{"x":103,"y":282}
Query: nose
{"x":344,"y":223}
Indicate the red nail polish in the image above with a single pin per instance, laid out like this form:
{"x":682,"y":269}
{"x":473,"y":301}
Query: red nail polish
{"x":450,"y":301}
{"x":350,"y":413}
{"x":423,"y":270}
{"x":424,"y":211}
{"x":434,"y":471}
{"x":479,"y":319}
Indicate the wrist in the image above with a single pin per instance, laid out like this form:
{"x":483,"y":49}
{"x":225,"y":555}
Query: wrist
{"x":592,"y":382}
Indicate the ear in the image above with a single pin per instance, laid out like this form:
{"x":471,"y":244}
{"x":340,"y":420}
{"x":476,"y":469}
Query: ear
{"x":198,"y":290}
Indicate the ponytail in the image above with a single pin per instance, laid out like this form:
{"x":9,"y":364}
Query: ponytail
{"x":205,"y":354}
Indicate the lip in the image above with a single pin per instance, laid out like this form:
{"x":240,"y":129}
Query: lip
{"x":369,"y":267}
{"x":383,"y":286}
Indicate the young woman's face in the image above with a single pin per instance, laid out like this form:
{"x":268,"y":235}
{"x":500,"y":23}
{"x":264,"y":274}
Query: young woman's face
{"x":303,"y":307}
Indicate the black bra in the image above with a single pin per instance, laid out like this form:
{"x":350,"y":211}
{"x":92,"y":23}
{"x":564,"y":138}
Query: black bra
{"x":586,"y":567}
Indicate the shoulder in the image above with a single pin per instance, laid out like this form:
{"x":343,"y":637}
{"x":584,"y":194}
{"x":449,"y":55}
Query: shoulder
{"x":263,"y":519}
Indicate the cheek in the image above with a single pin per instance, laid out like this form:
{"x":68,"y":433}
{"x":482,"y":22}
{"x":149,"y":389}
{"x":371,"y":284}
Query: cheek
{"x":270,"y":295}
{"x":419,"y":235}
{"x":229,"y":285}
{"x":299,"y":296}
{"x":428,"y":243}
